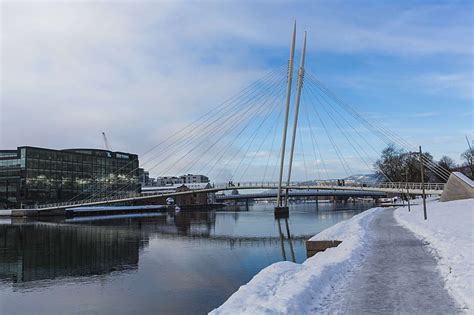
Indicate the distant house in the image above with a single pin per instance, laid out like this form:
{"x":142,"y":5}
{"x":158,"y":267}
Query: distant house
{"x":172,"y":188}
{"x":193,"y":199}
{"x":187,"y":199}
{"x":169,"y":181}
{"x":190,"y":178}
{"x":183,"y":179}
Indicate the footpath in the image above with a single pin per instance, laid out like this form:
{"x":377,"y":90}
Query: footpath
{"x":397,"y":276}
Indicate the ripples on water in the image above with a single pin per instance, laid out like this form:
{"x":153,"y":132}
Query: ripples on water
{"x":188,"y":263}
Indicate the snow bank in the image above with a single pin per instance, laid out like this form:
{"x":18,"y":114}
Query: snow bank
{"x":289,"y":288}
{"x":449,"y":231}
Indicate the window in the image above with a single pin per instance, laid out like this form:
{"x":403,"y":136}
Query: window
{"x":8,"y":154}
{"x":122,"y":156}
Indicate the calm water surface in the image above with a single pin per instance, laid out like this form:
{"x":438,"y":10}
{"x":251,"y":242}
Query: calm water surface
{"x":188,"y":263}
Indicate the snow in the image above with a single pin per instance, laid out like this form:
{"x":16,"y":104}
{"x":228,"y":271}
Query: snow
{"x":464,"y":178}
{"x":449,"y":232}
{"x":6,"y":213}
{"x":111,"y":217}
{"x":115,"y":208}
{"x":289,"y":288}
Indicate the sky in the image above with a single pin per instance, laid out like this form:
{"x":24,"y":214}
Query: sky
{"x":143,"y":69}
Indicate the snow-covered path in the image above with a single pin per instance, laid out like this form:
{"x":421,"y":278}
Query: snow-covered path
{"x":398,"y":275}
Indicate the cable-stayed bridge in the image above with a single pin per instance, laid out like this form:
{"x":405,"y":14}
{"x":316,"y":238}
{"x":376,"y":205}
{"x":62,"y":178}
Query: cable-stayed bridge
{"x":320,"y":135}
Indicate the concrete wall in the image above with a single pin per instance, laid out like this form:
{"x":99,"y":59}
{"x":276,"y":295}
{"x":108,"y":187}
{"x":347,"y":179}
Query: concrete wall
{"x":314,"y":247}
{"x":458,"y":187}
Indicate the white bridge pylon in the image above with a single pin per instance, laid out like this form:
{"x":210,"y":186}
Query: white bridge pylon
{"x":299,"y":86}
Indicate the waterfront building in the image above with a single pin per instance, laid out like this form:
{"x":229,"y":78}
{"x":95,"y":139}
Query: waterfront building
{"x":187,"y":200}
{"x":190,"y":178}
{"x":173,"y":188}
{"x":183,"y":179}
{"x":144,"y":177}
{"x":169,"y":181}
{"x":194,"y":199}
{"x":32,"y":175}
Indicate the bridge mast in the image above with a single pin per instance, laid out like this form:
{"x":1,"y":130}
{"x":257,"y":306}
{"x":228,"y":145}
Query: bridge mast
{"x":287,"y":109}
{"x":297,"y":107}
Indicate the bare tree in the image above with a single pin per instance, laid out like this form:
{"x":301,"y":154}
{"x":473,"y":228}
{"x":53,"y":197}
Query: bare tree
{"x":390,"y":164}
{"x":446,"y":163}
{"x":468,"y":157}
{"x":395,"y":163}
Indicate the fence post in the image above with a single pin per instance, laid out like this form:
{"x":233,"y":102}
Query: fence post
{"x":408,"y":191}
{"x":423,"y":184}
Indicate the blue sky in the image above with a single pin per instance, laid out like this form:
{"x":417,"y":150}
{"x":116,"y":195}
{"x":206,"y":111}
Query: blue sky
{"x":139,"y":70}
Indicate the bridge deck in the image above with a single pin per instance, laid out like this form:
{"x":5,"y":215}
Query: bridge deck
{"x":305,"y":193}
{"x":395,"y":188}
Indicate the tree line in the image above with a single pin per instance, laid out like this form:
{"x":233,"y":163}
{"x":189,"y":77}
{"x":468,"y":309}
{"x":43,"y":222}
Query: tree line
{"x":399,"y":165}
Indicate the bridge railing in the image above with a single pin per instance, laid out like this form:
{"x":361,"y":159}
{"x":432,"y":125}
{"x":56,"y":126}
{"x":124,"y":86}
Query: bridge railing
{"x":400,"y":186}
{"x":87,"y":201}
{"x":388,"y":185}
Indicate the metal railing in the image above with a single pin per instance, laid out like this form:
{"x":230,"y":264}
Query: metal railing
{"x":388,"y":185}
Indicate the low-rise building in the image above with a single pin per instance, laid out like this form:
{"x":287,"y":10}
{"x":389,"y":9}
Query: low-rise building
{"x":190,"y":178}
{"x":183,"y":179}
{"x":192,"y":199}
{"x":144,"y":177}
{"x":195,"y":198}
{"x":168,"y":181}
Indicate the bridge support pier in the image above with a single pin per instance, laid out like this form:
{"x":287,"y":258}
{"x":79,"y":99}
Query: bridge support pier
{"x":281,"y":212}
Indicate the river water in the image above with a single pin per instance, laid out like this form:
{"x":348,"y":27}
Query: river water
{"x":184,"y":263}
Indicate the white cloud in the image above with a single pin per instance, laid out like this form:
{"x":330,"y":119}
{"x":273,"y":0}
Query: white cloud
{"x":459,"y":84}
{"x":140,"y":71}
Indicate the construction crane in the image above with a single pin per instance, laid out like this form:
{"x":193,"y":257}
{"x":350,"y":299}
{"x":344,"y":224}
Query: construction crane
{"x":106,"y":142}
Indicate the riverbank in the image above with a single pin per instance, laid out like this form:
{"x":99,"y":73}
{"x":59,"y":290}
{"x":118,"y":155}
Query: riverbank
{"x":168,"y":263}
{"x":288,"y":288}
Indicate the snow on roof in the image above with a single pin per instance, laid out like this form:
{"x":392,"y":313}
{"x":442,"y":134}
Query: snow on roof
{"x":464,"y":178}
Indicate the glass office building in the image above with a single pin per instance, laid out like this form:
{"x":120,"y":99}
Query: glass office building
{"x":31,"y":175}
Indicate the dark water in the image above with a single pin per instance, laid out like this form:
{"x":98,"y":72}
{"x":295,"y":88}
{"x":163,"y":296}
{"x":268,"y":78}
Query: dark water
{"x":188,"y":263}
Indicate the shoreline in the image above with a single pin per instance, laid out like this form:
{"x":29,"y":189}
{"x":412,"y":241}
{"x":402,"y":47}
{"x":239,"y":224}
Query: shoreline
{"x":291,"y":288}
{"x":286,"y":287}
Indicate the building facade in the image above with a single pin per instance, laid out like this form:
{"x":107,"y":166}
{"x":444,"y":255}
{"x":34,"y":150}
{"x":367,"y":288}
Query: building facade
{"x":31,"y":175}
{"x":168,"y":181}
{"x":144,"y":177}
{"x":190,"y":178}
{"x":183,"y":179}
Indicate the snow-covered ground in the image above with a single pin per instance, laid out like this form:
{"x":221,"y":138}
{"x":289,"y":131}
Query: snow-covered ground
{"x":449,"y":232}
{"x":289,"y":288}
